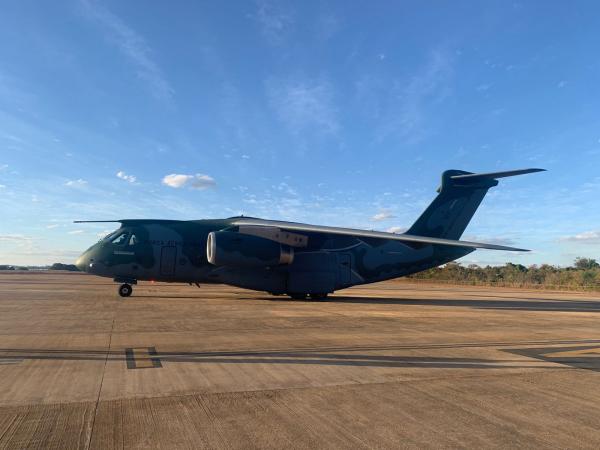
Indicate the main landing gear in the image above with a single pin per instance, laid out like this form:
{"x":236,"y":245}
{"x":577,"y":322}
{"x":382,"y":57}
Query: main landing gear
{"x":125,"y":290}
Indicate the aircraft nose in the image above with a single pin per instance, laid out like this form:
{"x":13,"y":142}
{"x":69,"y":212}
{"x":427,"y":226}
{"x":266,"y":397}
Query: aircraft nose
{"x":82,"y":262}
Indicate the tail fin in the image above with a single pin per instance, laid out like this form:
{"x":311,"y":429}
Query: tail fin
{"x":459,"y":196}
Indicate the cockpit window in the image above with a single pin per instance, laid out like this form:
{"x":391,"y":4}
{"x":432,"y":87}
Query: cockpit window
{"x":121,"y":239}
{"x":110,"y":235}
{"x":133,"y":240}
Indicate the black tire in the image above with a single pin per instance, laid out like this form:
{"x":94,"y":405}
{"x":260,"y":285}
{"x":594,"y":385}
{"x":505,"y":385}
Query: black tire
{"x":297,"y":296}
{"x":125,"y":290}
{"x":318,"y":296}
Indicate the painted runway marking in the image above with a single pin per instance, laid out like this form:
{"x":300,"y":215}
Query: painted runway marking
{"x":574,"y":353}
{"x":579,"y":357}
{"x":142,"y":358}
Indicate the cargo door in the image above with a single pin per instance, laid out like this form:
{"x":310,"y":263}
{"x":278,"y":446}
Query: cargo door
{"x":167,"y":261}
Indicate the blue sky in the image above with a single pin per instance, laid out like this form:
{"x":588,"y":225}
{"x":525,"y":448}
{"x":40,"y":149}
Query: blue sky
{"x":336,"y":113}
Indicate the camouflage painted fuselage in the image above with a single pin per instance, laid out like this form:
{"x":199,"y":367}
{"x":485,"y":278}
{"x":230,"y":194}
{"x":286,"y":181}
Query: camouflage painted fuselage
{"x":176,"y":251}
{"x":293,"y":258}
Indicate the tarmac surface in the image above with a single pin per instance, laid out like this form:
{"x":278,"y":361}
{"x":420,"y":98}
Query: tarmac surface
{"x":390,"y":365}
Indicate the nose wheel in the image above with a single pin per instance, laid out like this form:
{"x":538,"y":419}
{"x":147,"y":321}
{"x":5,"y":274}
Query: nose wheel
{"x":125,"y":290}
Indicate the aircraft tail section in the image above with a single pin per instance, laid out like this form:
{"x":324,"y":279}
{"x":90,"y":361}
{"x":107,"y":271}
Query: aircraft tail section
{"x":459,"y":196}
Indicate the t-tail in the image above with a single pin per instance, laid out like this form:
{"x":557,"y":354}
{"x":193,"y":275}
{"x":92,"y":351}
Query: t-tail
{"x":460,"y":194}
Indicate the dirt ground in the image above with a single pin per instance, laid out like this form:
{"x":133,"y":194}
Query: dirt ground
{"x":389,"y":365}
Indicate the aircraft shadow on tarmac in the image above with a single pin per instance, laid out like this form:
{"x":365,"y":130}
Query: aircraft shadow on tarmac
{"x":590,"y":306}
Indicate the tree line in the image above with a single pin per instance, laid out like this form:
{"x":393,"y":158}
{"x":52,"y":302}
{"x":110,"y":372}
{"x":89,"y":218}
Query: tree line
{"x":584,"y":274}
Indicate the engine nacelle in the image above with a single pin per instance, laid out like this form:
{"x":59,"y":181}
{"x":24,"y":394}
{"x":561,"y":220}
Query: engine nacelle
{"x":228,"y":248}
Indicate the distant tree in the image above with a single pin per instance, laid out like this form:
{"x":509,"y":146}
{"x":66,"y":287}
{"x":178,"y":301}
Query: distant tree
{"x":586,"y":263}
{"x":60,"y":266}
{"x":589,"y":277}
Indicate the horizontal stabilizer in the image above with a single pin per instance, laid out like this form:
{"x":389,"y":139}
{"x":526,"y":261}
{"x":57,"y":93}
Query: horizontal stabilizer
{"x":98,"y":221}
{"x":494,"y":175}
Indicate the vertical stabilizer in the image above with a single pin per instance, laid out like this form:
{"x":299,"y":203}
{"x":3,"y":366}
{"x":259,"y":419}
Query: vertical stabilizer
{"x":459,"y":196}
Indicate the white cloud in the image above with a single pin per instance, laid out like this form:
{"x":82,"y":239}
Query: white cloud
{"x":304,"y":104}
{"x":123,"y":176}
{"x":383,"y":215}
{"x":2,"y":186}
{"x":588,"y":237}
{"x":396,"y":229}
{"x":51,"y":226}
{"x":76,"y":183}
{"x":131,"y":44}
{"x":3,"y":167}
{"x":198,"y":181}
{"x":76,"y":232}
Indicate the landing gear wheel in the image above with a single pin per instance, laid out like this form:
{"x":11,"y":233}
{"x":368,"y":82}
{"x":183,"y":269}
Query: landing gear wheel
{"x":125,"y":290}
{"x":298,"y":296}
{"x":319,"y":296}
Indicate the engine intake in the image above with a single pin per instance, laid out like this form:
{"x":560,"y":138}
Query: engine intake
{"x":228,"y":248}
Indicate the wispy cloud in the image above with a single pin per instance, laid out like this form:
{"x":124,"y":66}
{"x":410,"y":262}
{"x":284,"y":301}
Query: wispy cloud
{"x":406,"y":102}
{"x":274,"y":19}
{"x":198,"y":181}
{"x":586,"y":237}
{"x":76,"y":232}
{"x":123,"y":176}
{"x":76,"y":183}
{"x":327,"y":25}
{"x":383,"y":215}
{"x":18,"y":238}
{"x":133,"y":46}
{"x":302,"y":105}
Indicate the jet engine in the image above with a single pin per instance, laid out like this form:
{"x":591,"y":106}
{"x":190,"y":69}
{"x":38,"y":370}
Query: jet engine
{"x":228,"y":248}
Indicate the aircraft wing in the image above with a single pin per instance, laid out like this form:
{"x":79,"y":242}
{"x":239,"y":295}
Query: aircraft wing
{"x":301,"y":227}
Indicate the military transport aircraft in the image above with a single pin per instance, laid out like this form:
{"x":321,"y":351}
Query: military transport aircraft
{"x":292,"y":258}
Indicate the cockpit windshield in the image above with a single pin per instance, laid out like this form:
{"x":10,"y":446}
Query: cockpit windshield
{"x":110,"y":235}
{"x":121,"y":238}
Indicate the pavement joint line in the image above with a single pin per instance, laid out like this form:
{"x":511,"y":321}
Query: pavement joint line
{"x":101,"y":384}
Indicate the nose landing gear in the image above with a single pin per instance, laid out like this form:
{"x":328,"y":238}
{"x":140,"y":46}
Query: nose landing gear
{"x":125,"y":290}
